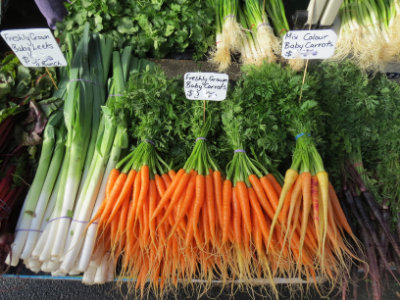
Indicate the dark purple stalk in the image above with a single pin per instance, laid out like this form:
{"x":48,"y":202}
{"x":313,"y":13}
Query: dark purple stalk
{"x":384,"y":240}
{"x":398,"y":226}
{"x":375,"y":208}
{"x":5,"y":130}
{"x":377,"y":214}
{"x":373,"y":266}
{"x":345,"y":286}
{"x":355,"y":282}
{"x":366,"y":225}
{"x":40,"y":118}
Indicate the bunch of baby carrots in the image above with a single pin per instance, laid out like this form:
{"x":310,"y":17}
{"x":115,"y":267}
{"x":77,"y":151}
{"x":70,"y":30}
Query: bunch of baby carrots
{"x":315,"y":227}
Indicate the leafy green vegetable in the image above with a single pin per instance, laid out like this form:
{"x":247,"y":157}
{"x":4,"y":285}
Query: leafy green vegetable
{"x":266,"y":110}
{"x":152,"y":107}
{"x":385,"y":160}
{"x":363,"y":128}
{"x":18,"y":85}
{"x":350,"y":108}
{"x":152,"y":28}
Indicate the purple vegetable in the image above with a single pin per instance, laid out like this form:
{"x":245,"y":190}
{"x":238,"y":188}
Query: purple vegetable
{"x":53,"y":10}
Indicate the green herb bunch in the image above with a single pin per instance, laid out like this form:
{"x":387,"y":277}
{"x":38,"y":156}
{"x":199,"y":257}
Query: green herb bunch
{"x":267,"y":109}
{"x":152,"y":107}
{"x":351,"y":107}
{"x":383,"y":154}
{"x":153,"y":28}
{"x":202,"y":125}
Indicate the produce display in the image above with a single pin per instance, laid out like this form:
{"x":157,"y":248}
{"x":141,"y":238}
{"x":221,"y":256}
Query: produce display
{"x":294,"y":175}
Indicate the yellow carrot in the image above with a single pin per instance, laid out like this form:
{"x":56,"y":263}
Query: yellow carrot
{"x":290,"y":177}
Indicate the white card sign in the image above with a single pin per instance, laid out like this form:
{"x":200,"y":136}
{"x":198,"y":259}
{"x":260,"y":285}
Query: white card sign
{"x":309,"y":44}
{"x":206,"y":86}
{"x":35,"y":47}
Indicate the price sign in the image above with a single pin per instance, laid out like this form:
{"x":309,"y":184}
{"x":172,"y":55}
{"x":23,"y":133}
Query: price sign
{"x":206,"y":86}
{"x":34,"y":47}
{"x":309,"y":44}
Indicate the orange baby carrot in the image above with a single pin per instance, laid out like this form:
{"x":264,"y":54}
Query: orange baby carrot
{"x":168,"y":193}
{"x":144,"y":189}
{"x":217,"y":179}
{"x":125,"y":194}
{"x":210,"y":206}
{"x":262,"y":197}
{"x":226,"y":209}
{"x":243,"y":198}
{"x":198,"y":201}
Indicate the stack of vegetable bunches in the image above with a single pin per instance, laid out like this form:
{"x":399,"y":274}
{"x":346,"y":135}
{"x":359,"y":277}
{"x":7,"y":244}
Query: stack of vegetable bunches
{"x":126,"y":228}
{"x":364,"y":129}
{"x":22,"y":122}
{"x":137,"y":217}
{"x":194,"y":224}
{"x":365,"y":23}
{"x":142,"y":174}
{"x":243,"y":27}
{"x":306,"y":248}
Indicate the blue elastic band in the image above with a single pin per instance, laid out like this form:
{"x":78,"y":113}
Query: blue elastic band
{"x":200,"y":139}
{"x":115,"y":95}
{"x":300,"y":135}
{"x":229,"y":16}
{"x":240,"y":151}
{"x":58,"y":218}
{"x":149,"y":141}
{"x":29,"y":230}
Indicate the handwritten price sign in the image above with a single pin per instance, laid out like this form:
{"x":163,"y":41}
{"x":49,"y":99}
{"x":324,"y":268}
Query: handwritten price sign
{"x":309,"y":44}
{"x":35,"y":47}
{"x":206,"y":86}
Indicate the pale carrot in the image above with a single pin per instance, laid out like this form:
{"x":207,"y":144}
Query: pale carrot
{"x":323,"y":185}
{"x":290,"y":178}
{"x":339,"y":214}
{"x":307,"y":204}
